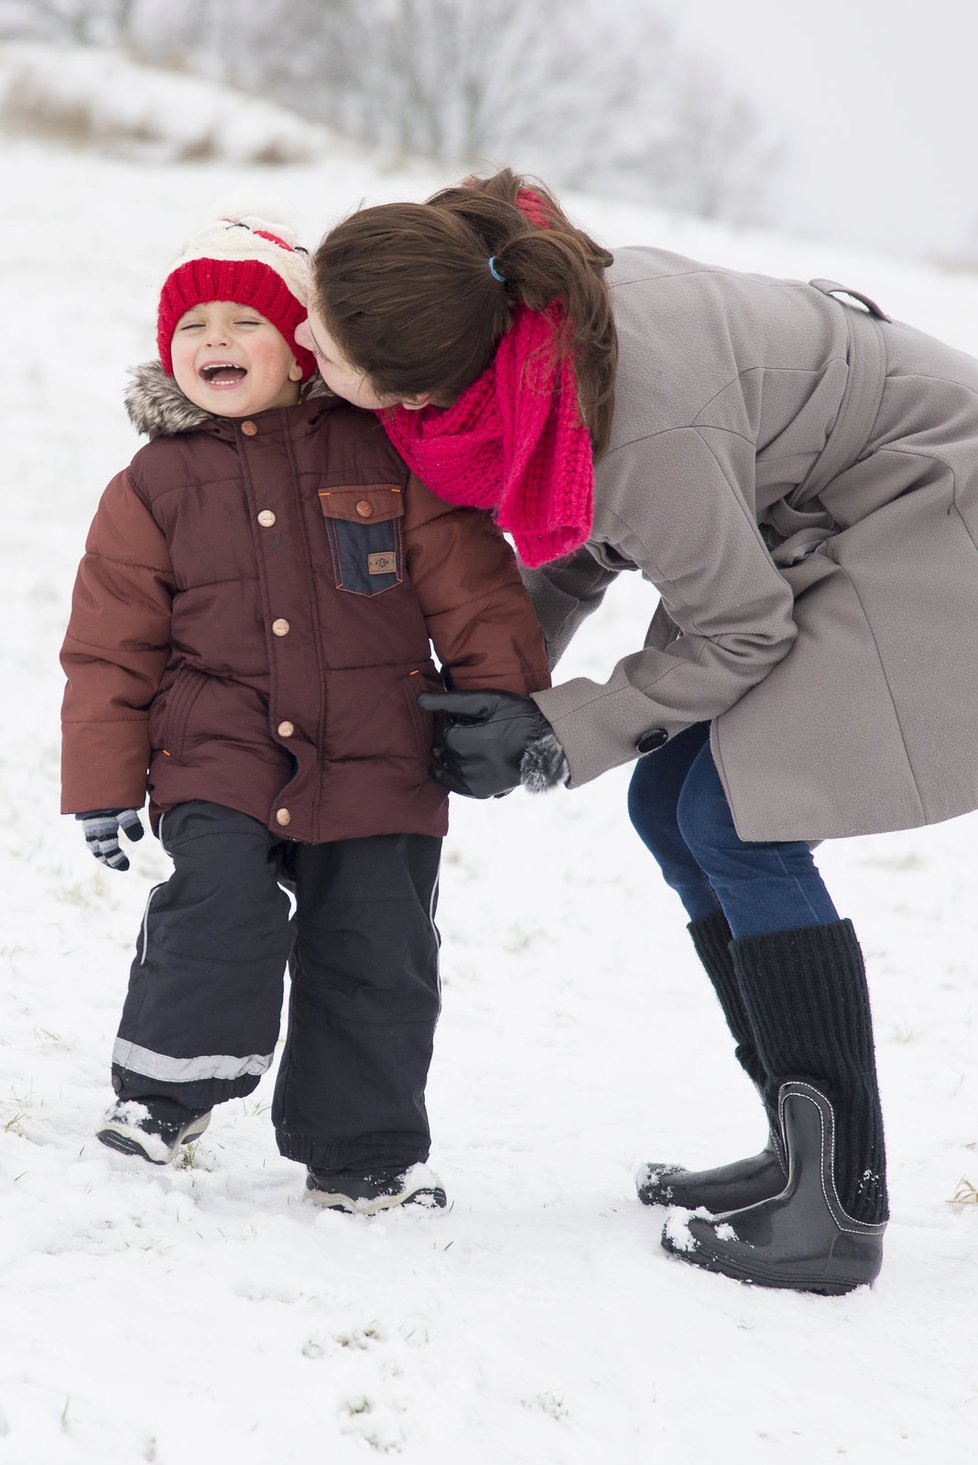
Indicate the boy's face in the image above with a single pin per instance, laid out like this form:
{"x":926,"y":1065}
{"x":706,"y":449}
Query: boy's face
{"x":231,"y":361}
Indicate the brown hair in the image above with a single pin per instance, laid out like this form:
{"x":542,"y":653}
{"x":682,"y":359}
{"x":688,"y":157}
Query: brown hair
{"x":407,"y":291}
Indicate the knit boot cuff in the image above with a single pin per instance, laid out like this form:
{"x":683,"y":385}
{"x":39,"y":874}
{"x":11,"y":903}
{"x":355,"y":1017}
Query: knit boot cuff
{"x":805,"y":993}
{"x":711,"y":939}
{"x":808,"y":949}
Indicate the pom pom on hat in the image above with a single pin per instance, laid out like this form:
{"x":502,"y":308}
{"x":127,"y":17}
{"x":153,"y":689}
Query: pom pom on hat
{"x":250,"y":260}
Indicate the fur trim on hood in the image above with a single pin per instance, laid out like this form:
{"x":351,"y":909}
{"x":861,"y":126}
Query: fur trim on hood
{"x":157,"y":406}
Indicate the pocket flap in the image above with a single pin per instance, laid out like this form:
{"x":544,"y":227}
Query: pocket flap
{"x":361,"y":503}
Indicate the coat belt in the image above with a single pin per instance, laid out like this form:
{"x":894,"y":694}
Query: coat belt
{"x":863,"y":392}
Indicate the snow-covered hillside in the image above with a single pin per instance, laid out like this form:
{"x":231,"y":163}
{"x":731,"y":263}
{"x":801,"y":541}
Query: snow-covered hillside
{"x":202,"y":1313}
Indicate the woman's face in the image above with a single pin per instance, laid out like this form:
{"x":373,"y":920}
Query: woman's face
{"x":339,"y":374}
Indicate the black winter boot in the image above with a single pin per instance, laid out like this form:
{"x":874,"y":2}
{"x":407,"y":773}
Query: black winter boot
{"x":806,"y":996}
{"x":803,"y":1239}
{"x":154,"y":1129}
{"x":367,"y":1192}
{"x":741,"y":1183}
{"x":805,"y":992}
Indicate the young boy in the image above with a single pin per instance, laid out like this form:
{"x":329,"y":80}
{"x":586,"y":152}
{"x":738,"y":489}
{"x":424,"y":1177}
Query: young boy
{"x":248,"y":638}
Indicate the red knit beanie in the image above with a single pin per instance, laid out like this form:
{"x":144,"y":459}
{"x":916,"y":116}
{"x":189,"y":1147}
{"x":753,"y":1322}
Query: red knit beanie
{"x":249,"y":260}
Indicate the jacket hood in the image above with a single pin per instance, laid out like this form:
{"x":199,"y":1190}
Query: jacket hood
{"x":157,"y":406}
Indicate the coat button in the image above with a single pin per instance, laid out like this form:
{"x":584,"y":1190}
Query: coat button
{"x":250,"y":429}
{"x":283,"y":817}
{"x":286,"y":729}
{"x":365,"y":508}
{"x":280,"y":627}
{"x":649,"y":741}
{"x":266,"y":518}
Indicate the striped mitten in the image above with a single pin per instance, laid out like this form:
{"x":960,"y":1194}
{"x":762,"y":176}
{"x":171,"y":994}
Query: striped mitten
{"x":102,"y":827}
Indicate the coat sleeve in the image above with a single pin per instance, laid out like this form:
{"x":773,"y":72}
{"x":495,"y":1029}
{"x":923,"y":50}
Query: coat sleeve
{"x":114,"y":654}
{"x":679,"y":505}
{"x":479,"y":616}
{"x":564,"y":593}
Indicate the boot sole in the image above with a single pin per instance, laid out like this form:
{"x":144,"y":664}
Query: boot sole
{"x":762,"y":1276}
{"x":433,"y":1199}
{"x":128,"y":1142}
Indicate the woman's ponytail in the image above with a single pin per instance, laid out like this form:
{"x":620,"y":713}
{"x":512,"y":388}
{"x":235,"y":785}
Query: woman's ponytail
{"x":419,"y":295}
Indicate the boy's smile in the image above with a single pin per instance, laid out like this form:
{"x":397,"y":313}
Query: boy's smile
{"x":230,"y":360}
{"x":222,"y":374}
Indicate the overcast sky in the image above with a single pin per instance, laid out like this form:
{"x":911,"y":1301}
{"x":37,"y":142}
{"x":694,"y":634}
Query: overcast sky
{"x":876,"y":101}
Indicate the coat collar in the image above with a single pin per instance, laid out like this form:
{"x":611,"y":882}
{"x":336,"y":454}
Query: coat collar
{"x":157,"y":406}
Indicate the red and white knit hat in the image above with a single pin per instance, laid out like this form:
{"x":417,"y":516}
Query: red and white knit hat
{"x":247,"y":259}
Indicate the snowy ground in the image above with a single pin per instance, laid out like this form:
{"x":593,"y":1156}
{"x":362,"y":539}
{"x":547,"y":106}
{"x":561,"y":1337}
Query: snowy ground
{"x":207,"y":1312}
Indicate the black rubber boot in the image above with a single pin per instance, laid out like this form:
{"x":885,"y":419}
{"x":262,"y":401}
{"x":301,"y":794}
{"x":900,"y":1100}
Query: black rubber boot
{"x":723,"y":1188}
{"x":806,"y":997}
{"x":743,"y":1182}
{"x":803,"y":1239}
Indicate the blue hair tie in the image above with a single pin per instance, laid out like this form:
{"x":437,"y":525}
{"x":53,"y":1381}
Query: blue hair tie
{"x":494,"y":272}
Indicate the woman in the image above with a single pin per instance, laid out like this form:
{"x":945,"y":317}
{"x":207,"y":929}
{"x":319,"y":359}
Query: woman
{"x":798,"y":478}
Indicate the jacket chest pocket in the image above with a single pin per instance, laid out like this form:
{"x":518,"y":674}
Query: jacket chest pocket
{"x":365,"y":525}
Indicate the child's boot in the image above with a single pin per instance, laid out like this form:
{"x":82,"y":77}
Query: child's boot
{"x":153,"y":1129}
{"x":364,"y":1193}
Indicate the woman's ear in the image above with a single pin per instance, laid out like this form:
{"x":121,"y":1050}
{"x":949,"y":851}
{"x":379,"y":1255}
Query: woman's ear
{"x":295,"y":371}
{"x":416,"y":402}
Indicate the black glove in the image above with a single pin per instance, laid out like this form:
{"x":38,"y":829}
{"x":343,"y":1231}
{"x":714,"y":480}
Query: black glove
{"x":480,"y":739}
{"x":102,"y":827}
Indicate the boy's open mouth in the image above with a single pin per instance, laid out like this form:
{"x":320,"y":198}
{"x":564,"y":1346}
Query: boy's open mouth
{"x":223,"y":374}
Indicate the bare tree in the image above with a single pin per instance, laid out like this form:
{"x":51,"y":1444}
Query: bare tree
{"x":86,"y":22}
{"x":592,"y":94}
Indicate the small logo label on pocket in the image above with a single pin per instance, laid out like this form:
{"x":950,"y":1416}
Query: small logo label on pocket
{"x":382,"y":563}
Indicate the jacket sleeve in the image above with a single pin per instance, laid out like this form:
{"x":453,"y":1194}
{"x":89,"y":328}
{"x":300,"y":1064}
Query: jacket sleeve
{"x":564,"y":593}
{"x":114,"y":654}
{"x":479,"y":616}
{"x":679,"y":506}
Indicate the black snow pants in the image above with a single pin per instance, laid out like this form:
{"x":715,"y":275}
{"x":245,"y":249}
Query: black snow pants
{"x":201,"y":1017}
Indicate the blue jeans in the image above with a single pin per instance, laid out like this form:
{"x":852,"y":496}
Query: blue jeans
{"x":677,"y":805}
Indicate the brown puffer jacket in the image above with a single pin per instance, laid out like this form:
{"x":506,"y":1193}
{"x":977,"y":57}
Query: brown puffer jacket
{"x":253,"y":618}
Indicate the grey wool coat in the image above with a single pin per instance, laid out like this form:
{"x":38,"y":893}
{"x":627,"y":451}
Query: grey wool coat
{"x":797,"y":476}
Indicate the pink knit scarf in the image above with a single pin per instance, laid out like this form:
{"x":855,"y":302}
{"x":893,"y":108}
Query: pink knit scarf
{"x":513,"y":442}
